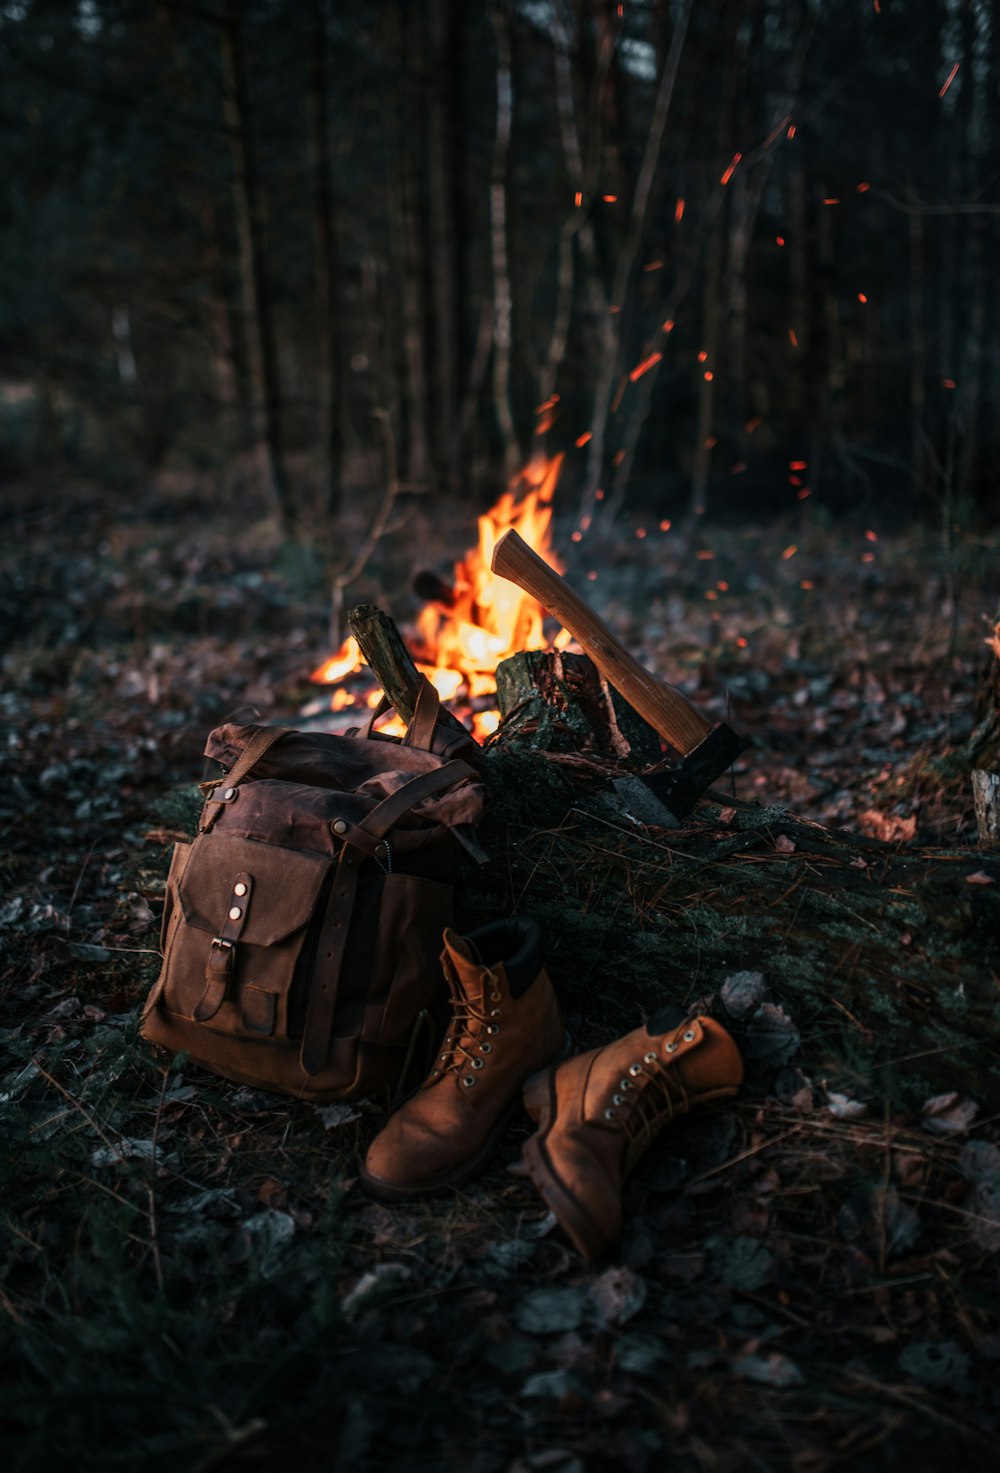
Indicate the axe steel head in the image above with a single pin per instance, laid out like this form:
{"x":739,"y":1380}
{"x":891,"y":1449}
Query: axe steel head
{"x":679,"y":787}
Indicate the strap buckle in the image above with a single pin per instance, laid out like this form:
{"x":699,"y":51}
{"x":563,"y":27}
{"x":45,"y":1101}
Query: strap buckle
{"x":222,"y":962}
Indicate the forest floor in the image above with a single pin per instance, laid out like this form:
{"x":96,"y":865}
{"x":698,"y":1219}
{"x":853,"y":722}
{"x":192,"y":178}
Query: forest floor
{"x":191,"y":1276}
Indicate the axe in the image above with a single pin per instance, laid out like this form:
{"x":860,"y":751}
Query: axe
{"x":706,"y":751}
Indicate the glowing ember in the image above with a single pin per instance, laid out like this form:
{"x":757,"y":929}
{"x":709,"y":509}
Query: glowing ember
{"x":645,"y":366}
{"x":679,"y":210}
{"x":729,"y":172}
{"x":950,"y":78}
{"x":582,"y":440}
{"x":789,"y":552}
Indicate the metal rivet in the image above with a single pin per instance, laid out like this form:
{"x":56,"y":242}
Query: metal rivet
{"x":468,"y":1080}
{"x":689,"y":1035}
{"x":624,"y":1084}
{"x":494,"y":997}
{"x":339,"y":826}
{"x":235,"y":913}
{"x":649,"y":1058}
{"x":230,"y":792}
{"x":477,"y":1064}
{"x":495,"y":1013}
{"x":485,"y":1048}
{"x":635,"y":1069}
{"x":609,"y":1114}
{"x":671,"y":1047}
{"x":240,"y":889}
{"x":618,"y":1099}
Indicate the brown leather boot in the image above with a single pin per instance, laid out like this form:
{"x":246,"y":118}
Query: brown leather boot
{"x":599,"y":1112}
{"x":505,"y":1025}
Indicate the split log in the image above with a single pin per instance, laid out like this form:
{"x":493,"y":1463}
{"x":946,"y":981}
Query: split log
{"x":391,"y":662}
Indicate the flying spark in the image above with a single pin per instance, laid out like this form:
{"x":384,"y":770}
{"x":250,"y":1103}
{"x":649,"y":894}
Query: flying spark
{"x":872,"y":536}
{"x":742,"y":642}
{"x":703,"y":355}
{"x":867,"y":557}
{"x":653,"y":266}
{"x":610,"y":199}
{"x":738,"y":468}
{"x":947,"y":383}
{"x":709,"y":377}
{"x":789,"y":551}
{"x":792,"y":337}
{"x":804,"y":493}
{"x":665,"y":526}
{"x":862,"y":298}
{"x":705,"y":555}
{"x":831,"y":201}
{"x":679,"y":210}
{"x":668,"y":326}
{"x":791,"y":130}
{"x":950,"y":78}
{"x":797,"y":465}
{"x":645,"y":366}
{"x":598,"y":494}
{"x":863,"y":188}
{"x":729,"y":172}
{"x":752,"y":424}
{"x":581,"y":440}
{"x":579,"y":199}
{"x":640,"y":532}
{"x":807,"y":583}
{"x":619,"y":456}
{"x":779,"y":240}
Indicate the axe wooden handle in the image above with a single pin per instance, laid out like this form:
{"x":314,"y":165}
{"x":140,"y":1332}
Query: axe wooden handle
{"x":666,"y":710}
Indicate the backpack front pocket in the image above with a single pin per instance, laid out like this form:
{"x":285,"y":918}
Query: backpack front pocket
{"x":245,"y":909}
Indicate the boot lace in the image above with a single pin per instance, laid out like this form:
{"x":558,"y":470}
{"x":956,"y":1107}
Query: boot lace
{"x":467,"y":1043}
{"x":647,"y":1097}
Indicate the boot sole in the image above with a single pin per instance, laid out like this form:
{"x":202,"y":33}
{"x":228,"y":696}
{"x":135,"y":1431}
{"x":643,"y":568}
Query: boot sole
{"x":388,"y":1191}
{"x":586,"y":1235}
{"x":581,"y":1229}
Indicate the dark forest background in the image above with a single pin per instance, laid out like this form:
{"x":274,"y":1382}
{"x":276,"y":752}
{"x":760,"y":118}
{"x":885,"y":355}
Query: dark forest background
{"x":238,"y":241}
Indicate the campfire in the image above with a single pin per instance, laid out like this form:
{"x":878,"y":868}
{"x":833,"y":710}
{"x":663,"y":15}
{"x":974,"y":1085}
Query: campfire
{"x":472,"y":620}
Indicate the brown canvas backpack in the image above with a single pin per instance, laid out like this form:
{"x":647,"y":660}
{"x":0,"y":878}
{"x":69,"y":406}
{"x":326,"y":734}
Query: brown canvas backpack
{"x":302,"y":926}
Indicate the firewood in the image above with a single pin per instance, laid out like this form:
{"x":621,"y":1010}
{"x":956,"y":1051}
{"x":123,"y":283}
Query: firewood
{"x":556,"y":702}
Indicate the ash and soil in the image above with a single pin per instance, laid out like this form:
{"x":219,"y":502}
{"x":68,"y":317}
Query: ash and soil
{"x":808,"y":1278}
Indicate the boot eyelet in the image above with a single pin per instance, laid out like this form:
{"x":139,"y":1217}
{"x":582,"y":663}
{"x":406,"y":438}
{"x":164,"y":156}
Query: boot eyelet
{"x":495,"y":1029}
{"x":618,"y":1099}
{"x":688,"y":1035}
{"x":634,"y":1069}
{"x":468,"y":1080}
{"x":624,"y":1084}
{"x":495,"y":1013}
{"x":649,"y":1058}
{"x":478,"y":1064}
{"x":671,"y":1047}
{"x":485,"y":1048}
{"x":609,"y":1114}
{"x":494,"y":997}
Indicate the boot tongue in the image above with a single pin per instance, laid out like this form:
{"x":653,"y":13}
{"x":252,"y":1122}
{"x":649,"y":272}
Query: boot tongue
{"x":468,"y":964}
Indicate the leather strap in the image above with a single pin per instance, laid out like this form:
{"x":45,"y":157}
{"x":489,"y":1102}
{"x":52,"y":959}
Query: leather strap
{"x":318,"y":1031}
{"x":262,"y":740}
{"x":221,"y":963}
{"x":420,"y":732}
{"x":329,"y":960}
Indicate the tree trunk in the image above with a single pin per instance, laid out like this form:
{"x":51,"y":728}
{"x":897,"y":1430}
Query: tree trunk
{"x":329,"y":377}
{"x":503,"y":302}
{"x":255,"y":289}
{"x":445,"y":232}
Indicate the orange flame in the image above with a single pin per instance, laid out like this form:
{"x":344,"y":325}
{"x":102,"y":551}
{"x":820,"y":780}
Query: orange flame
{"x":488,"y":618}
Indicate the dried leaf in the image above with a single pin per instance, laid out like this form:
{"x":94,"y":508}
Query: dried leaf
{"x":980,"y":877}
{"x":891,"y":828}
{"x":742,"y":1262}
{"x":772,"y":1369}
{"x":382,"y":1278}
{"x":979,"y":1163}
{"x":948,"y":1114}
{"x":334,"y":1115}
{"x":772,"y":1038}
{"x":545,"y":1311}
{"x":617,"y":1295}
{"x":842,"y":1107}
{"x":742,"y":993}
{"x":784,"y":845}
{"x":936,"y":1363}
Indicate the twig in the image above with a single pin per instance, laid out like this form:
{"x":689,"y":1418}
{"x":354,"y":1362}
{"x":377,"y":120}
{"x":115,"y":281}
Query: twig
{"x":375,"y":532}
{"x":154,"y":1237}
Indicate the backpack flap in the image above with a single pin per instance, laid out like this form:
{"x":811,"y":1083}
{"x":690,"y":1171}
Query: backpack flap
{"x":246,"y":908}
